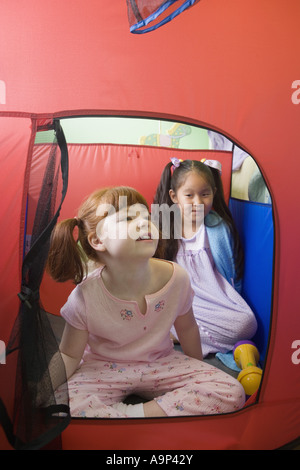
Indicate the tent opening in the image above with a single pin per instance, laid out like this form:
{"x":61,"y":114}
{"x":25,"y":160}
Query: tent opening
{"x":133,"y":151}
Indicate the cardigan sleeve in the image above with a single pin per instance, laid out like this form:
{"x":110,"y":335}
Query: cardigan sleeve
{"x":221,"y":245}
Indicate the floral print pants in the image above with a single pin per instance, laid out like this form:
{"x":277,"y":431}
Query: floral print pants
{"x":180,"y":385}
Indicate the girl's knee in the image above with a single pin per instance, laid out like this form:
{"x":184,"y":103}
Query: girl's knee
{"x":224,"y":395}
{"x":232,"y":397}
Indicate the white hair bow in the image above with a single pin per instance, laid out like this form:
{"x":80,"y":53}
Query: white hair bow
{"x":213,"y":164}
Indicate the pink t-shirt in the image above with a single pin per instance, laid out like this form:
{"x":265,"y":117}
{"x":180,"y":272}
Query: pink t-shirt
{"x":118,"y":331}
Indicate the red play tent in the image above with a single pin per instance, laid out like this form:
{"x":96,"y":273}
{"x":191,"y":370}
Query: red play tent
{"x":231,"y":67}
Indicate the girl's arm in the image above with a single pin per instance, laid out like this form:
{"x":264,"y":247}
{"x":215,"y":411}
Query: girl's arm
{"x":188,"y":335}
{"x":72,"y":346}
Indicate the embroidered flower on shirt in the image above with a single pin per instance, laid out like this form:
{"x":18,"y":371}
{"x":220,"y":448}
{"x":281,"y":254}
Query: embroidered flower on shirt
{"x":159,"y":306}
{"x":126,"y":314}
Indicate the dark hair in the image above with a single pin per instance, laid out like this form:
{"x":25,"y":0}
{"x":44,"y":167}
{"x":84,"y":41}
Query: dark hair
{"x":67,"y":258}
{"x":173,"y":178}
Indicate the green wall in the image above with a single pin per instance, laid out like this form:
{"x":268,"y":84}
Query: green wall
{"x":130,"y":131}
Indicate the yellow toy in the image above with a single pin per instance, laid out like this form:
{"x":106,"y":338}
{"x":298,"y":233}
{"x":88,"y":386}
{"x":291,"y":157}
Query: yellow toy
{"x":246,"y":357}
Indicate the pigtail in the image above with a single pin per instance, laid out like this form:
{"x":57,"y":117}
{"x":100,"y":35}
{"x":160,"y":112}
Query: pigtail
{"x":162,"y":192}
{"x":167,"y":248}
{"x":66,"y":260}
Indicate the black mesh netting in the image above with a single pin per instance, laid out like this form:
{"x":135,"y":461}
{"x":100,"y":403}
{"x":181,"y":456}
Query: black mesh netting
{"x":34,"y":363}
{"x":147,"y":15}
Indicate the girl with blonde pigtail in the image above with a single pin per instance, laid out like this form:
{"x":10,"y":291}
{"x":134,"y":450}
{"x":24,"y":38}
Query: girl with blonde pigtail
{"x":116,"y":340}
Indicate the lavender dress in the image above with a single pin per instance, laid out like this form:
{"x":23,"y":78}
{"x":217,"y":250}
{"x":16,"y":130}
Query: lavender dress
{"x":221,"y":313}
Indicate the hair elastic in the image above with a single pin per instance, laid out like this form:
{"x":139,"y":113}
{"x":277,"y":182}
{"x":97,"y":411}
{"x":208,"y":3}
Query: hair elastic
{"x":175,"y":163}
{"x":213,"y":164}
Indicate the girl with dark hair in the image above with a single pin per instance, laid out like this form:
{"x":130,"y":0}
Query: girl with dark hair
{"x":211,"y":252}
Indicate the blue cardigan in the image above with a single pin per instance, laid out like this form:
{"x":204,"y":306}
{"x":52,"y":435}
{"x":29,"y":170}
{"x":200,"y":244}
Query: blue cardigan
{"x":221,"y":245}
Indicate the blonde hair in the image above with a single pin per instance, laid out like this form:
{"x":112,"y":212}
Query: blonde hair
{"x":67,"y":258}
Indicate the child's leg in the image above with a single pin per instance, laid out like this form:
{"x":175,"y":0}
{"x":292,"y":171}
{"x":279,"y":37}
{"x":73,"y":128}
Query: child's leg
{"x":225,"y":322}
{"x":175,"y":385}
{"x":152,"y":409}
{"x":190,"y":387}
{"x":96,"y":386}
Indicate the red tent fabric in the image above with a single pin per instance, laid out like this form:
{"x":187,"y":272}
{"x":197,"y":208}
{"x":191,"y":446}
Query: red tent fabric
{"x":230,"y":66}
